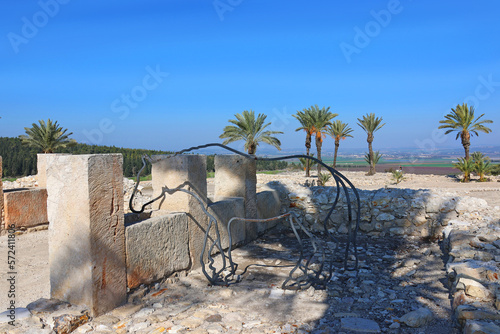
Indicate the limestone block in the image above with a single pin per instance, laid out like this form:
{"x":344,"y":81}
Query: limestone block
{"x":223,"y":211}
{"x":469,"y":204}
{"x":418,"y":318}
{"x":191,"y":172}
{"x":235,"y":176}
{"x":187,"y":170}
{"x":86,"y":231}
{"x":385,"y":217}
{"x":25,"y":208}
{"x":268,"y":206}
{"x":156,"y":248}
{"x":474,"y":288}
{"x":480,"y":327}
{"x":468,"y":312}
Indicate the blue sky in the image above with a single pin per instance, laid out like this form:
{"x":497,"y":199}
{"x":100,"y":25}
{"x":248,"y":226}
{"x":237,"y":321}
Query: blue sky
{"x":168,"y":74}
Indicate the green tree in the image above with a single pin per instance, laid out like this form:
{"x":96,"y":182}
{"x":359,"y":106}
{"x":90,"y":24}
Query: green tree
{"x":251,"y":130}
{"x":376,"y":157}
{"x":370,"y":124}
{"x":338,"y":130}
{"x":321,"y":119}
{"x":307,"y":162}
{"x":305,"y":120}
{"x":466,"y":166}
{"x":461,"y":119}
{"x":47,"y":137}
{"x":482,"y":165}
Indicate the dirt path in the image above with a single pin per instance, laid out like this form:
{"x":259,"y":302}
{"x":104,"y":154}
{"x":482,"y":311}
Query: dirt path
{"x":32,"y":267}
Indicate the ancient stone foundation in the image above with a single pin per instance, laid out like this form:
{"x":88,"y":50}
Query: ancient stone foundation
{"x":86,"y":232}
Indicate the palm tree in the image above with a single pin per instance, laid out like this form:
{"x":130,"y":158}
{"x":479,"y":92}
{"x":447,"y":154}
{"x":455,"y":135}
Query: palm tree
{"x":339,"y":130}
{"x":376,"y":157}
{"x":461,"y":119}
{"x":47,"y":136}
{"x":482,"y":165}
{"x":250,"y":130}
{"x":321,"y":119}
{"x":307,"y":162}
{"x":370,"y":124}
{"x":304,"y":117}
{"x":466,"y":166}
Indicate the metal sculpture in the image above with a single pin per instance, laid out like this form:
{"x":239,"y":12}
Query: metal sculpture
{"x":306,"y":272}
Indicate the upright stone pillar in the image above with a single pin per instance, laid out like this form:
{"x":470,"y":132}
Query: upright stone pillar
{"x":189,"y":171}
{"x":86,"y":231}
{"x":41,"y":166}
{"x":236,"y":176}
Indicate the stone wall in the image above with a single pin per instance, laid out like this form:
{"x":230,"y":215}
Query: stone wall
{"x":172,"y":239}
{"x":397,"y":212}
{"x":473,"y":271}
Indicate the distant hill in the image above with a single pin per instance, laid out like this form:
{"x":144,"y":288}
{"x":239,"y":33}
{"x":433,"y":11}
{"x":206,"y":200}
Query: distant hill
{"x":20,"y":160}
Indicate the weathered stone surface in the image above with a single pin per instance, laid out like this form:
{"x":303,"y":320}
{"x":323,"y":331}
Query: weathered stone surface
{"x":469,"y":204}
{"x":25,"y":208}
{"x":468,"y":312}
{"x":480,"y":327}
{"x":418,"y":318}
{"x":474,"y":288}
{"x":190,"y":172}
{"x":235,"y":176}
{"x":156,"y":248}
{"x":268,"y":206}
{"x":223,"y":211}
{"x":87,"y":237}
{"x":359,"y":325}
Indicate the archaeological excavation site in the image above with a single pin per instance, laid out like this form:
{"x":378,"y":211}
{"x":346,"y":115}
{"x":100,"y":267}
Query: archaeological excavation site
{"x":242,"y":252}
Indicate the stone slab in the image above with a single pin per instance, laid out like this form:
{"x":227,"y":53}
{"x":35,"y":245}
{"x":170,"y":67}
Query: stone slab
{"x":25,"y":208}
{"x":86,"y":231}
{"x":223,"y":211}
{"x":189,"y":171}
{"x":268,"y":206}
{"x":359,"y":325}
{"x":236,"y":176}
{"x":156,"y":248}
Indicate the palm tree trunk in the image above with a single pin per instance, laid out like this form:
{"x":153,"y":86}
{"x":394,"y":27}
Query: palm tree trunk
{"x":308,"y":150}
{"x":337,"y":144}
{"x":466,"y":143}
{"x":372,"y":170}
{"x":318,"y":148}
{"x":307,"y":162}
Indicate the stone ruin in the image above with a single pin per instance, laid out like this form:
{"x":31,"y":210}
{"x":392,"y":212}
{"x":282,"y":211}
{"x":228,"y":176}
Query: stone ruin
{"x":97,"y":252}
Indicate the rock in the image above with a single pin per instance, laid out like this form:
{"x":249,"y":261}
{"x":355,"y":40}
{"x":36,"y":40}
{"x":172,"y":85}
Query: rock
{"x":468,"y":312}
{"x":359,"y":325}
{"x":474,"y":289}
{"x":17,"y":314}
{"x":385,"y":217}
{"x":418,"y":318}
{"x":480,"y":327}
{"x":468,"y":204}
